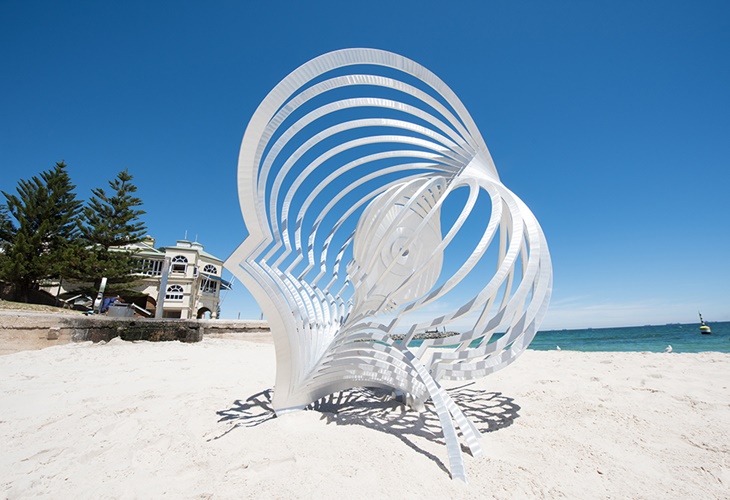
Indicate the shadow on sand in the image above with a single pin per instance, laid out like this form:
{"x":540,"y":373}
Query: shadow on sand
{"x":376,"y":409}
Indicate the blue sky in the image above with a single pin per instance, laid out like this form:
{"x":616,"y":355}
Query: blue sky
{"x":611,"y":120}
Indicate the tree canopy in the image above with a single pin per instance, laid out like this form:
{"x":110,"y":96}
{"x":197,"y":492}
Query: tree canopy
{"x":38,"y":226}
{"x":110,"y":221}
{"x":6,"y":227}
{"x":47,"y":233}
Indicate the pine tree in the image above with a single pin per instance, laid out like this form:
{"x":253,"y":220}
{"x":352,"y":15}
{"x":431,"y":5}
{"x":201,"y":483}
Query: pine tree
{"x":6,"y":228}
{"x":109,"y":222}
{"x":40,"y":229}
{"x":6,"y":232}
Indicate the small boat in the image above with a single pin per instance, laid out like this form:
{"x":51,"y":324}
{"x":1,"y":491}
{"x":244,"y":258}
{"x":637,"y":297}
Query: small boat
{"x":704,"y":329}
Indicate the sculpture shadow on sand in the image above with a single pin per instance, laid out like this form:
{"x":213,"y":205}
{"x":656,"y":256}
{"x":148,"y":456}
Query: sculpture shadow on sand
{"x":377,"y":409}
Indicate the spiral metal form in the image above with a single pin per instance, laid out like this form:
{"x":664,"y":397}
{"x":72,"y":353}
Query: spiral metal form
{"x":344,"y":172}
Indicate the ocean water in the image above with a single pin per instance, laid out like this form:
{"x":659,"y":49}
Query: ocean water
{"x":652,"y":338}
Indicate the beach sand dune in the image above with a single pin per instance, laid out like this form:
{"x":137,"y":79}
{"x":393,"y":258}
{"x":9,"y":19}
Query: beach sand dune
{"x":146,"y":420}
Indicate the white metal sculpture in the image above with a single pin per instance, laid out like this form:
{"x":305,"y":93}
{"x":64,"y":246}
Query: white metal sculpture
{"x":373,"y":209}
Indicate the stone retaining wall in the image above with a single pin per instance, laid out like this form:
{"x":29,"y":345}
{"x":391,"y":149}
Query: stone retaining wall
{"x":24,"y":330}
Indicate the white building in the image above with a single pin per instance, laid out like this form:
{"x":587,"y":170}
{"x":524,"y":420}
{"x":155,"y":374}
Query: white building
{"x":194,"y":281}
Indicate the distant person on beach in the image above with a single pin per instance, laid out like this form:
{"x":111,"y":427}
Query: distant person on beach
{"x":110,"y":301}
{"x":107,"y":302}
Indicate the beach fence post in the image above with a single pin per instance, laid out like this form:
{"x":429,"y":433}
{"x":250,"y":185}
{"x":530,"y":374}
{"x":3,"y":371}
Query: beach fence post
{"x":99,"y":302}
{"x":163,"y":288}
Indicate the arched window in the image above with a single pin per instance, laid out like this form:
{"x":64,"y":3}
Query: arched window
{"x":210,"y":269}
{"x":174,"y":292}
{"x":179,"y":264}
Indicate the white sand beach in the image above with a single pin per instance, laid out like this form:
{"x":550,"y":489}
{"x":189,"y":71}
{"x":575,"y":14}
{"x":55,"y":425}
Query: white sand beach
{"x":147,"y":420}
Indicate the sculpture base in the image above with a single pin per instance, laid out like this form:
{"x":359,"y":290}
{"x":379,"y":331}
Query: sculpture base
{"x":292,"y":409}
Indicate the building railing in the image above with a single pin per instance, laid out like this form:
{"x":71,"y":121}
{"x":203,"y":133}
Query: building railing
{"x":149,"y":267}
